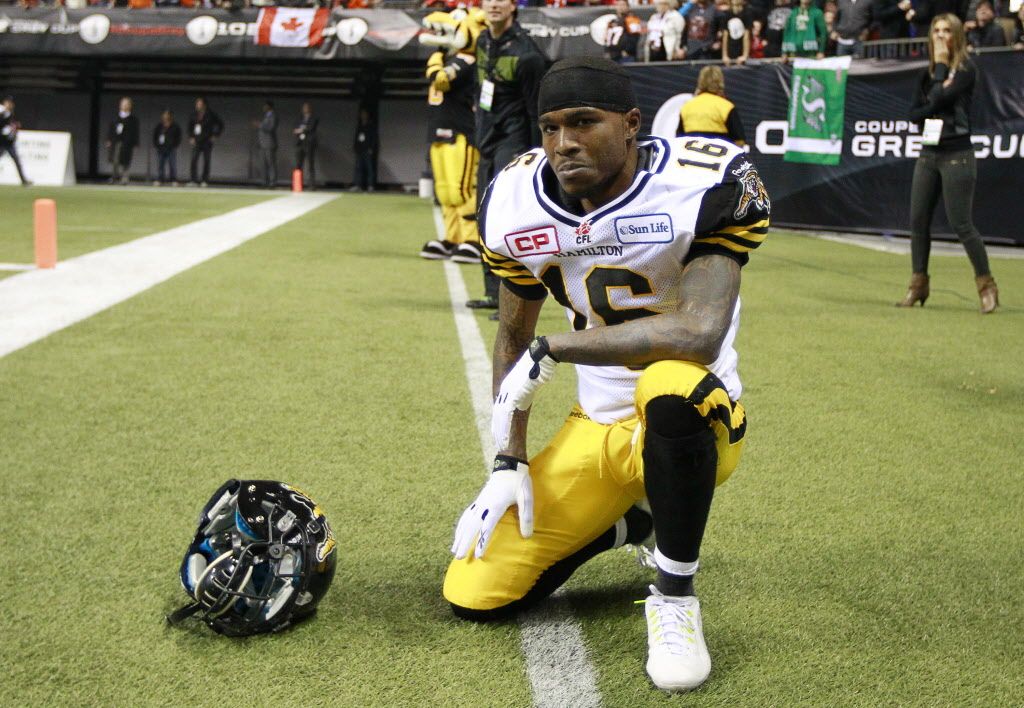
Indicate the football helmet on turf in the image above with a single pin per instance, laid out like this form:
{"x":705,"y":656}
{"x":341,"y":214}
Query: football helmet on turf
{"x":262,"y":558}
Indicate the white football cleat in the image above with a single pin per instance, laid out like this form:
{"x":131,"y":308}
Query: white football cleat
{"x":677,"y":657}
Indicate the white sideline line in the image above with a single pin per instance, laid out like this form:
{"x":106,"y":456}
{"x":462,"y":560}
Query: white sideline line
{"x":38,"y":303}
{"x":557,"y":664}
{"x":17,"y":266}
{"x":901,"y":245}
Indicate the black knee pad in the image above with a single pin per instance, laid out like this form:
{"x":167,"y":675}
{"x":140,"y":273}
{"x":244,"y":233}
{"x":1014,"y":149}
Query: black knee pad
{"x":674,"y":417}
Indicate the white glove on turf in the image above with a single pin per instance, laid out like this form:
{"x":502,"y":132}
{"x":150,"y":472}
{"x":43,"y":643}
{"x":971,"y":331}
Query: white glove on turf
{"x":509,"y":484}
{"x":535,"y":367}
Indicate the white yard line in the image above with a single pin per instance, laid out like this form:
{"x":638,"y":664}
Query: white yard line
{"x":17,"y":266}
{"x":557,"y":664}
{"x":38,"y":303}
{"x":901,"y":245}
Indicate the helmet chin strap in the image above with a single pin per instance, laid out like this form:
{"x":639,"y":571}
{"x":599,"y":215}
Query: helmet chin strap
{"x":183,"y":613}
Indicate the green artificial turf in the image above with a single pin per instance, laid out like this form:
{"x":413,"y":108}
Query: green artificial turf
{"x":867,"y":551}
{"x":91,"y":218}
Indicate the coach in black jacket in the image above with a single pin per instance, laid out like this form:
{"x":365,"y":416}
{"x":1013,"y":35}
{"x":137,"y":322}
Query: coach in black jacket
{"x":204,"y":127}
{"x":509,"y":70}
{"x":122,"y":139}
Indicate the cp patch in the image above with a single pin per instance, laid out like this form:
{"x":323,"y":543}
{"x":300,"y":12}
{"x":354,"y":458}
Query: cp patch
{"x":532,"y":242}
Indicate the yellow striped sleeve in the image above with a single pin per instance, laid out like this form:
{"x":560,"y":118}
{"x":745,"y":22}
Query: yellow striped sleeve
{"x":740,"y":239}
{"x":509,"y":269}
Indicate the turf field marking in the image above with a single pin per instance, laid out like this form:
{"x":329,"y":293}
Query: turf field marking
{"x":38,"y":303}
{"x":17,"y":266}
{"x":557,"y":664}
{"x":901,"y":245}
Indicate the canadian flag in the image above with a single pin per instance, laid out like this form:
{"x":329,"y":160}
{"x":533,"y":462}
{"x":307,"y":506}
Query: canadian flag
{"x":291,"y":27}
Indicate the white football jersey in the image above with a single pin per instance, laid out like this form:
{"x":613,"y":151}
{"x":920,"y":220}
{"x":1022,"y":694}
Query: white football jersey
{"x":625,"y":260}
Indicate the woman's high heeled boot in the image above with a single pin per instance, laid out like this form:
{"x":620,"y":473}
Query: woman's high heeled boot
{"x":988,"y":293}
{"x":916,"y":292}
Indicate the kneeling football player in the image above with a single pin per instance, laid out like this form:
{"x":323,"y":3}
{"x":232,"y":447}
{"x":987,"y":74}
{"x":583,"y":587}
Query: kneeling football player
{"x":642,"y":242}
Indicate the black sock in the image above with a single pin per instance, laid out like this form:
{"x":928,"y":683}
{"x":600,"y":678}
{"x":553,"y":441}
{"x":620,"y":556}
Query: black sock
{"x":680,"y":466}
{"x":675,"y":585}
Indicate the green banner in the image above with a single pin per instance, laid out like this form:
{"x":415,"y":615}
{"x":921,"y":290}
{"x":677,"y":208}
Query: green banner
{"x":816,"y":105}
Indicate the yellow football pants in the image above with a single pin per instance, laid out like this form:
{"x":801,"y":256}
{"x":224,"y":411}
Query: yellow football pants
{"x":454,"y":165}
{"x":583,"y":482}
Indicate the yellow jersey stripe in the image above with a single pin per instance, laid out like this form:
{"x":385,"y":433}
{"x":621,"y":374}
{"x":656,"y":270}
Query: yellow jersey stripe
{"x":761,"y":227}
{"x":745,"y":239}
{"x":730,"y":242}
{"x":516,"y":277}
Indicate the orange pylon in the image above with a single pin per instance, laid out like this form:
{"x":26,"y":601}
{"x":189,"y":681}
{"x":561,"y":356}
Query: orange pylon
{"x":46,"y":233}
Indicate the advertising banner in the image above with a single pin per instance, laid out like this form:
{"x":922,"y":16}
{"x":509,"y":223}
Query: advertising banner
{"x":272,"y":32}
{"x":869,"y":190}
{"x":45,"y":157}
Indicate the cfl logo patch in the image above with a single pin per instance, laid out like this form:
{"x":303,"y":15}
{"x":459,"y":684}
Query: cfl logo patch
{"x":532,"y":242}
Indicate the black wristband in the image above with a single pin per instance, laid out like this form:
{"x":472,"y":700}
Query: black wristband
{"x":539,"y":349}
{"x":507,"y":462}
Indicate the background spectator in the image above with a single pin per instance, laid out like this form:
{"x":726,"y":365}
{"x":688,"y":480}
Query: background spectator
{"x":757,"y":43}
{"x":166,"y":139}
{"x":830,"y":24}
{"x":806,"y":33}
{"x":203,"y":129}
{"x":759,"y":9}
{"x":851,"y":26}
{"x":735,"y":25}
{"x":891,"y":18}
{"x":1001,"y":8}
{"x":122,"y":139}
{"x":622,"y":36}
{"x":985,"y":31}
{"x":774,"y":28}
{"x":946,"y":164}
{"x":267,"y":137}
{"x":306,"y":143}
{"x":365,"y":143}
{"x":9,"y":135}
{"x":709,"y":113}
{"x":925,"y":10}
{"x":665,"y":32}
{"x":702,"y":31}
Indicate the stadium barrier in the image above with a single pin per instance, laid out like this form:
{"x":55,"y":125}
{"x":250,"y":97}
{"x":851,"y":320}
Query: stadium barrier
{"x":905,"y":48}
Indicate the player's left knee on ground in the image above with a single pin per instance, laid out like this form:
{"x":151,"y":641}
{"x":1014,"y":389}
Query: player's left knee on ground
{"x":633,"y":527}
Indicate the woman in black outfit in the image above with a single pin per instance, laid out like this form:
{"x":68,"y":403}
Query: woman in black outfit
{"x":947,"y":165}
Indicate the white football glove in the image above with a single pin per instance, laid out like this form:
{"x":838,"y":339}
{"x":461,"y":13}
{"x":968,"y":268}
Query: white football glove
{"x":509,"y":484}
{"x":535,"y":367}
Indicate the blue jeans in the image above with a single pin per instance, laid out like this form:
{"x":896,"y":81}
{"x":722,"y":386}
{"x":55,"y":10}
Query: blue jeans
{"x":853,"y":50}
{"x":167,"y":160}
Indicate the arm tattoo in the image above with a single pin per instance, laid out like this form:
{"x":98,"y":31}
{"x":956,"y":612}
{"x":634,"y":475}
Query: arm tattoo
{"x":694,"y":332}
{"x":516,"y":327}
